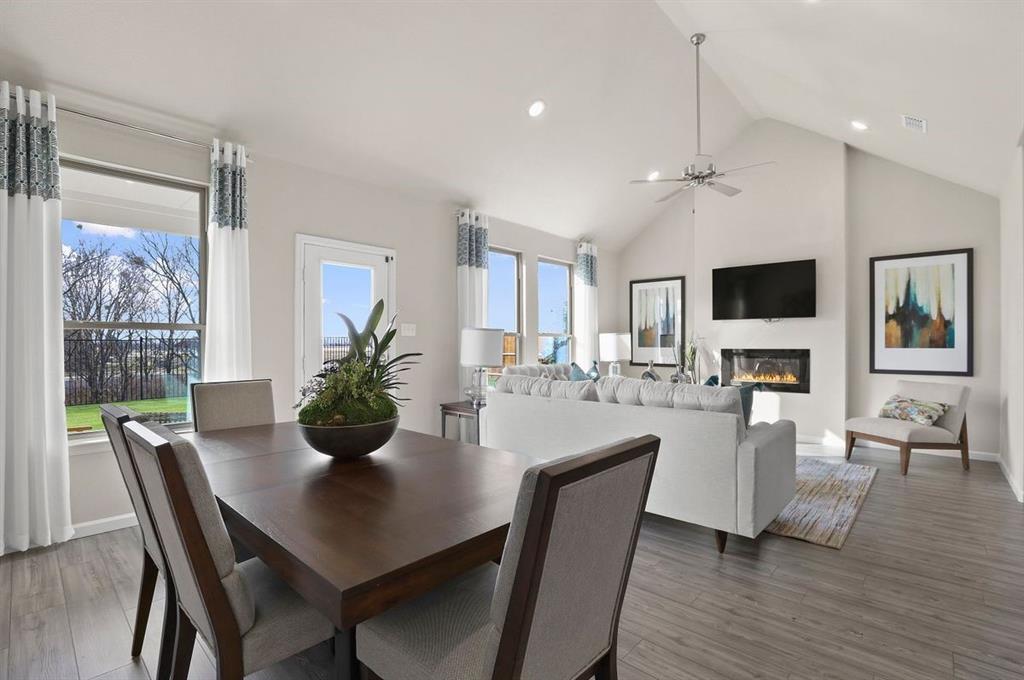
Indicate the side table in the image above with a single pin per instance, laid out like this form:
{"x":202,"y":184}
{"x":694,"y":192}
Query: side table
{"x":460,"y":409}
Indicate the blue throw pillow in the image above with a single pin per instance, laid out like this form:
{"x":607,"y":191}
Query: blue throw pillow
{"x":577,"y":373}
{"x":712,"y":381}
{"x":747,"y":399}
{"x":594,"y":373}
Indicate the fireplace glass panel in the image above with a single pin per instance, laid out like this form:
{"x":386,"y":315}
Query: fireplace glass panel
{"x":779,"y":370}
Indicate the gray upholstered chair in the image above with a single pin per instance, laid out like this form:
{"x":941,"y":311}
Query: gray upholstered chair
{"x":235,"y":403}
{"x":563,"y":575}
{"x":948,"y":432}
{"x":249,"y":617}
{"x":114,"y":418}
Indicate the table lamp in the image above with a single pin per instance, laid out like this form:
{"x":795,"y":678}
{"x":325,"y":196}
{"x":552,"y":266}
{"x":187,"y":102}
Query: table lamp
{"x":480,"y":348}
{"x":614,"y":347}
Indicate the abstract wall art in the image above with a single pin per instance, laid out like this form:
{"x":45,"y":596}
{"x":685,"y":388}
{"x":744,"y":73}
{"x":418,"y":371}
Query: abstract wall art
{"x":657,"y":320}
{"x":921,"y":319}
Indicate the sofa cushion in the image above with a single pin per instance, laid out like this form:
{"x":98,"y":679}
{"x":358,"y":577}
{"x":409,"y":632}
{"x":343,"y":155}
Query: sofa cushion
{"x":635,"y":392}
{"x":553,"y":371}
{"x":545,"y":387}
{"x":901,"y":430}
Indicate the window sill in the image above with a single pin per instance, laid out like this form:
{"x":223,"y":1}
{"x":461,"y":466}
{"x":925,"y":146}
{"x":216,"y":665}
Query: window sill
{"x":92,"y":443}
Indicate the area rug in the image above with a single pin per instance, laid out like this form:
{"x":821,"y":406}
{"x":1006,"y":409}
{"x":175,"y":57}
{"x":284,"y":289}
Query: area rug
{"x":828,"y":498}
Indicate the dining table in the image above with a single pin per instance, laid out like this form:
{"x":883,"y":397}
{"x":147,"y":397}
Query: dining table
{"x":355,"y":538}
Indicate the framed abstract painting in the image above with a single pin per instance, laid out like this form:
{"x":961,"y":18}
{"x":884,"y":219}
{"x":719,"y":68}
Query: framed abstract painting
{"x":921,"y":313}
{"x":657,"y":316}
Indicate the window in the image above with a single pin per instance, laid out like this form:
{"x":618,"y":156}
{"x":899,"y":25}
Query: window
{"x":554,"y":312}
{"x":503,"y":310}
{"x":133,"y":265}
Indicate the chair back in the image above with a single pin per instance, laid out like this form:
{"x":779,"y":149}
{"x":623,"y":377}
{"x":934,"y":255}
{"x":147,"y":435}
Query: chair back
{"x":197,"y":549}
{"x":567,"y":560}
{"x":114,"y":418}
{"x":944,"y":393}
{"x":235,"y":403}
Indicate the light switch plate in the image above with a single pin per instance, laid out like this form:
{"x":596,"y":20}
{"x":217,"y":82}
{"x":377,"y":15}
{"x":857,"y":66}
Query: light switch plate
{"x":408,"y":330}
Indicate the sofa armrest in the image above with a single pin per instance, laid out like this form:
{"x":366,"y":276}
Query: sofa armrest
{"x":765,"y":475}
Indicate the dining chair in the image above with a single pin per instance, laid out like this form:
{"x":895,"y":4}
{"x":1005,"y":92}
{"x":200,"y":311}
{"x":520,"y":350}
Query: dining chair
{"x":550,"y":611}
{"x":247,"y":616}
{"x":233,"y":403}
{"x":114,"y":418}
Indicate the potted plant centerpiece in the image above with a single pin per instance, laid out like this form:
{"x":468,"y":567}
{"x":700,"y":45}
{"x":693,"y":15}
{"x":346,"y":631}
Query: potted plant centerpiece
{"x":350,"y":408}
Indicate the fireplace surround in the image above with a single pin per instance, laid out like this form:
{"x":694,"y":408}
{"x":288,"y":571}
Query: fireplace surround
{"x":779,"y":370}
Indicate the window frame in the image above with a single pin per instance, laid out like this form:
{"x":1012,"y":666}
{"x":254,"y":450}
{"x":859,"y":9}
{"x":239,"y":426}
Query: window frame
{"x":571,"y":269}
{"x":203,"y":190}
{"x":518,"y":333}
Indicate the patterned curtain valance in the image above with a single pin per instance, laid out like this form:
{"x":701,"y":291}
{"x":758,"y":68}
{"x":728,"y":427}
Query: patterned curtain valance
{"x":473,"y":240}
{"x":227,"y":186}
{"x":29,"y":159}
{"x":586,"y":264}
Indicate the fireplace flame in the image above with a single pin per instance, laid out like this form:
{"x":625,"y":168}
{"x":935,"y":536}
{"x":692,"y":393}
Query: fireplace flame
{"x":787,"y":378}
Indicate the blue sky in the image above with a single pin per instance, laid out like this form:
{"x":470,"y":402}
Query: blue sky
{"x":552,"y":297}
{"x":552,"y":294}
{"x":348,"y":290}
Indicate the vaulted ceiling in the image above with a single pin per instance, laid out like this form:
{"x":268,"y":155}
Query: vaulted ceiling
{"x":431,"y":97}
{"x":819,"y":65}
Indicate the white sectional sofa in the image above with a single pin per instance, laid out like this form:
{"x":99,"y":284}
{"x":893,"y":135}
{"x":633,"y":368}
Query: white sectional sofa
{"x":712,"y":469}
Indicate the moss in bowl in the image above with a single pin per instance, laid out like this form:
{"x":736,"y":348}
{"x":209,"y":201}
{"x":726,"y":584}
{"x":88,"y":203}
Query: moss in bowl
{"x":350,"y":408}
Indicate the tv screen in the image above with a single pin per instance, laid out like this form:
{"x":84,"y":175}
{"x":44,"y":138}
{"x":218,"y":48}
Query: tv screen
{"x":764,"y":291}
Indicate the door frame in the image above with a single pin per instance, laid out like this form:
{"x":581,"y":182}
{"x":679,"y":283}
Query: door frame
{"x":303,"y":240}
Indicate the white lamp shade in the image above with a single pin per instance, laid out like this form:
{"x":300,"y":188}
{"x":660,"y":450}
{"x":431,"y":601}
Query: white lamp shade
{"x":481,"y":347}
{"x":614,"y":346}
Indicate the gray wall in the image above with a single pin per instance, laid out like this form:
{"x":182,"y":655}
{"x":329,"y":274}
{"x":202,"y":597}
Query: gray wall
{"x":1012,"y":310}
{"x":894,"y":210}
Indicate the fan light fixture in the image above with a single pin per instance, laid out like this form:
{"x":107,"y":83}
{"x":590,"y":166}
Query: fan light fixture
{"x":537,"y":108}
{"x":859,"y":125}
{"x":653,"y":175}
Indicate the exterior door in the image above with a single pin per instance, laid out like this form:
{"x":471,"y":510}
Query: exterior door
{"x":338,"y":278}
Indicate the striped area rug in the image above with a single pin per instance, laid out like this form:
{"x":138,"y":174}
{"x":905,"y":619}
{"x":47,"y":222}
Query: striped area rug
{"x":828,"y":498}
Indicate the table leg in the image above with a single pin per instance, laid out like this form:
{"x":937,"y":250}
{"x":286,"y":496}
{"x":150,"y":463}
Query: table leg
{"x":444,"y":422}
{"x":346,"y":665}
{"x":477,"y":419}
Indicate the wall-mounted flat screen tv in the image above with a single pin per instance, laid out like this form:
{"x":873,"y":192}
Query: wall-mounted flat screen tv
{"x":780,"y":290}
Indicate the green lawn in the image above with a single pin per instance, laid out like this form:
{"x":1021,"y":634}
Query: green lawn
{"x":87,"y":417}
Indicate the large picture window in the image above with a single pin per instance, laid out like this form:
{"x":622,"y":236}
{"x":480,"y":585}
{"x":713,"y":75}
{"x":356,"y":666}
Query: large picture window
{"x":503,"y":302}
{"x":133,"y":272}
{"x":554,"y":312}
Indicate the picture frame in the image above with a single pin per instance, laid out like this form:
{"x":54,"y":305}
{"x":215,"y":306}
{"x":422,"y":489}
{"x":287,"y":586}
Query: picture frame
{"x":657,"y":320}
{"x":922,"y":313}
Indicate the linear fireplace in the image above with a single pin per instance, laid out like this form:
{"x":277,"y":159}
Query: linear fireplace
{"x":780,"y":370}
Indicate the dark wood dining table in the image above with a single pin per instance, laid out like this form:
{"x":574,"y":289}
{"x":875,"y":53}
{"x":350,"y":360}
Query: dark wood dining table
{"x":355,"y":538}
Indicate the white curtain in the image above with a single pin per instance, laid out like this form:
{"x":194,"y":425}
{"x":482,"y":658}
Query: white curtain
{"x":35,"y":505}
{"x":471,"y":278}
{"x":228,"y":346}
{"x":584,"y":306}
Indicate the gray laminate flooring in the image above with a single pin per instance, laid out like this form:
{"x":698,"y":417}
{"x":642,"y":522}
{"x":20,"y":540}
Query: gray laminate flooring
{"x":930,"y":585}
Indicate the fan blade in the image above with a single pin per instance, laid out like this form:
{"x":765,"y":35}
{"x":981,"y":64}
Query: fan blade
{"x":673,"y":194}
{"x":655,"y":181}
{"x":722,"y":188}
{"x":744,"y":167}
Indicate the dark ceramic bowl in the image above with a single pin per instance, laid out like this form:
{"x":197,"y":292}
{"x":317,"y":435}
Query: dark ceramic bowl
{"x":349,"y":441}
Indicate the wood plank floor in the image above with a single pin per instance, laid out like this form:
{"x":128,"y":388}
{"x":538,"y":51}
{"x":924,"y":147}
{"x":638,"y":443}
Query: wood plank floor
{"x":929,"y":586}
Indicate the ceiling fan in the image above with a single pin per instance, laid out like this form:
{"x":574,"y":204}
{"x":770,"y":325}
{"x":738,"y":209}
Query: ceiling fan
{"x":702,"y":172}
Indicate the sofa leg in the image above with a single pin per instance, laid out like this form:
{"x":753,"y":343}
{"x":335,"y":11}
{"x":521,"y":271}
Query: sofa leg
{"x":850,"y":439}
{"x":720,"y":538}
{"x":904,"y":458}
{"x":965,"y":451}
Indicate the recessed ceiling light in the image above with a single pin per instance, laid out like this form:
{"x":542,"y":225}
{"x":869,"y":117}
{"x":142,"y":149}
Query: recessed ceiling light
{"x":653,"y":176}
{"x":858,"y":125}
{"x":537,"y":108}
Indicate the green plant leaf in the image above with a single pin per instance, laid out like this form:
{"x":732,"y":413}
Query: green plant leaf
{"x":356,"y":340}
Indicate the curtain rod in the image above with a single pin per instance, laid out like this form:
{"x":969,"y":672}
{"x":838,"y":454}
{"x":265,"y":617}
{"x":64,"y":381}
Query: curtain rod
{"x":137,"y":128}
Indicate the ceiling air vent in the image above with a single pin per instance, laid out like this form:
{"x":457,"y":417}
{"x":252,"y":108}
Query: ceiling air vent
{"x":915,"y":124}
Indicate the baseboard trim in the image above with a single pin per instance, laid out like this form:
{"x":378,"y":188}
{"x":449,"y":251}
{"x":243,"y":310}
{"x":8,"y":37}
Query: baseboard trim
{"x":1014,"y":487}
{"x":104,"y":524}
{"x":839,"y":450}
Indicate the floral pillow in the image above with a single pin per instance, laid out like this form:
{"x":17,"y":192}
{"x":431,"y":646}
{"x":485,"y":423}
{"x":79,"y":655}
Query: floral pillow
{"x":916,"y":410}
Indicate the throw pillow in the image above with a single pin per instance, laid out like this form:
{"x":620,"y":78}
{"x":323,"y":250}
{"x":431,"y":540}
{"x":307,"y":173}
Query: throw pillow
{"x":712,"y":381}
{"x":594,"y":373}
{"x":578,"y":373}
{"x":914,"y":410}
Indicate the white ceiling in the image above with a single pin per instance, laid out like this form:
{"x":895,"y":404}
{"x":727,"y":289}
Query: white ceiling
{"x":957,"y":63}
{"x":430,"y":97}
